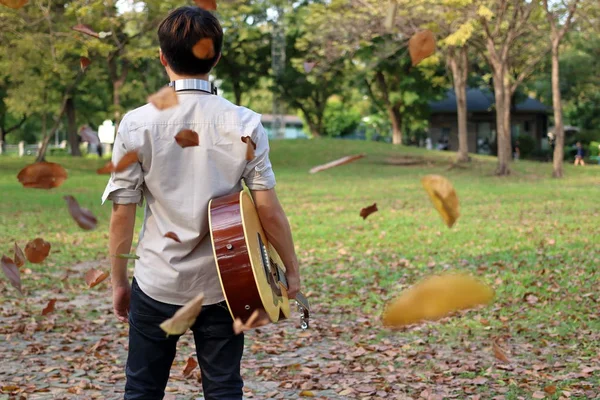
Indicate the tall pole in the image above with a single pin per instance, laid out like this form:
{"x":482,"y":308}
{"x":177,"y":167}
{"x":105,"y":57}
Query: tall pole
{"x":278,"y":66}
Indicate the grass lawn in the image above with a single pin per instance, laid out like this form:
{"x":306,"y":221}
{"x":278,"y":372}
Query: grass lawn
{"x":534,"y":239}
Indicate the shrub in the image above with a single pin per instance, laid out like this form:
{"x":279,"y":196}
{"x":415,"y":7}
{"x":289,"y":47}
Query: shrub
{"x":526,"y":145}
{"x":339,"y":119}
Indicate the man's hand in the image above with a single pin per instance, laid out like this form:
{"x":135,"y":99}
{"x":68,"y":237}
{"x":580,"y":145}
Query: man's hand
{"x":121,"y":297}
{"x":293,"y":281}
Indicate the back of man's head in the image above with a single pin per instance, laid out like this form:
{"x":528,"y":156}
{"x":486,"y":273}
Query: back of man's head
{"x":180,"y":31}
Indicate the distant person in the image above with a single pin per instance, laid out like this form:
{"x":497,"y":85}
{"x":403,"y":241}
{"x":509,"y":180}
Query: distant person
{"x":579,"y":155}
{"x":517,"y":151}
{"x":428,"y":144}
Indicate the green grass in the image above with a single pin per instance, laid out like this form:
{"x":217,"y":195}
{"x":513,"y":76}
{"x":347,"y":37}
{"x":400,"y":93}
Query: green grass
{"x":526,"y":233}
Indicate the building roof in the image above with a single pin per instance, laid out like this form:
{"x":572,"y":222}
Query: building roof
{"x":480,"y":100}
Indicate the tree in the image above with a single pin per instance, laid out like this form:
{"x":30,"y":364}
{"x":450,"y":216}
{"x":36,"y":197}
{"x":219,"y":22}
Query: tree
{"x":556,"y":35}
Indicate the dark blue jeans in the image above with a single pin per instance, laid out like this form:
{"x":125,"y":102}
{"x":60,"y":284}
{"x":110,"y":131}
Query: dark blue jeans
{"x":151,"y":352}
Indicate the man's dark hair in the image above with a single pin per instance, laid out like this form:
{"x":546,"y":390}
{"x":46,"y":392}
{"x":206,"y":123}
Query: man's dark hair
{"x":180,"y":31}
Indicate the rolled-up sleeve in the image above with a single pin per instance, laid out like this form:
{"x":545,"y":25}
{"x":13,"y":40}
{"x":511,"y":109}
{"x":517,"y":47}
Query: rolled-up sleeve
{"x":258,"y":173}
{"x":125,"y":187}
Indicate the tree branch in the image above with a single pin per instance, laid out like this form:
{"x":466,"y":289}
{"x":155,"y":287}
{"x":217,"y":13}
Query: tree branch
{"x":16,"y":126}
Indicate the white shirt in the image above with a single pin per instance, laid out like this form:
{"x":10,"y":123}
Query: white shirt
{"x":178,"y":183}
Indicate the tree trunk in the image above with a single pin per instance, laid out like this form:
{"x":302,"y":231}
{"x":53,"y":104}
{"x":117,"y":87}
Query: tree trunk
{"x":396,"y":119}
{"x":237,"y":92}
{"x":72,"y":128}
{"x":502,"y":99}
{"x":117,"y":102}
{"x":559,"y":130}
{"x":458,"y":61}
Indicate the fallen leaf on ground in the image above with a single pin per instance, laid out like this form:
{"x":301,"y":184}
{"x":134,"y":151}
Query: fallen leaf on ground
{"x":49,"y":307}
{"x":131,"y":157}
{"x":94,"y":277}
{"x":164,"y":98}
{"x":172,"y":235}
{"x":337,"y":163}
{"x":250,"y":147}
{"x":42,"y":175}
{"x":257,"y":319}
{"x":184,"y":317}
{"x":420,"y":46}
{"x":443,"y":196}
{"x":187,"y":138}
{"x":12,"y":272}
{"x":19,"y":256}
{"x":85,"y":29}
{"x":190,"y":366}
{"x":538,"y":395}
{"x":365,"y":212}
{"x":499,"y":353}
{"x":84,"y":217}
{"x":128,"y":256}
{"x":14,"y":4}
{"x":308,"y":66}
{"x":106,"y":169}
{"x":84,"y":62}
{"x":436,"y":297}
{"x":209,"y":5}
{"x":204,"y":49}
{"x":37,"y":250}
{"x":550,"y":389}
{"x":306,"y":393}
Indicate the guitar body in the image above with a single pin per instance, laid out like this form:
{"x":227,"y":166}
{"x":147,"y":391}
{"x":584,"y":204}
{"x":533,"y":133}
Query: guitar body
{"x":251,"y":272}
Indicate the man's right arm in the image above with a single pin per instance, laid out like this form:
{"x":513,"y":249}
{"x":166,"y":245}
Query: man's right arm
{"x":277,"y":228}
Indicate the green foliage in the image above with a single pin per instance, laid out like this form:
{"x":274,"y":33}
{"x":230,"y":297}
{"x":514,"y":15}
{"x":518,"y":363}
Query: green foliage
{"x":594,"y":149}
{"x":527,"y":145}
{"x":340,"y":119}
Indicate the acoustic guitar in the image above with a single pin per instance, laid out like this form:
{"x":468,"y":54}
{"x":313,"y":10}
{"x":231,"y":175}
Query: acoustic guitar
{"x":251,"y":272}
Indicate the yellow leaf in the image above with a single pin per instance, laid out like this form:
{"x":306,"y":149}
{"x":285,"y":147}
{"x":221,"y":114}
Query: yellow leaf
{"x":443,"y":196}
{"x":435,"y":297}
{"x":184,"y":317}
{"x":307,"y":393}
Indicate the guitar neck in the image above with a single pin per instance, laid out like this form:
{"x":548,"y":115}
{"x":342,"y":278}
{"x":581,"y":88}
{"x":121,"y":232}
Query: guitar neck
{"x":300,"y":297}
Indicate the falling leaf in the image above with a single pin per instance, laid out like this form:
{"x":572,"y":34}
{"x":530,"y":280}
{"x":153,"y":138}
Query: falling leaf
{"x":50,"y":307}
{"x":365,"y":212}
{"x":306,"y":393}
{"x":42,"y":175}
{"x":94,"y":277}
{"x":106,"y":169}
{"x":128,"y":256}
{"x":187,"y":138}
{"x":164,"y":98}
{"x":209,"y":5}
{"x":308,"y":66}
{"x":131,"y":157}
{"x":84,"y":217}
{"x":37,"y":250}
{"x":551,"y":389}
{"x":12,"y":272}
{"x":172,"y":235}
{"x":443,"y":196}
{"x":85,"y":29}
{"x":336,"y":163}
{"x":420,"y":46}
{"x":436,"y":297}
{"x":84,"y":62}
{"x":204,"y":49}
{"x":257,"y":319}
{"x":250,"y":147}
{"x":499,"y":353}
{"x":19,"y":256}
{"x":190,"y":366}
{"x":14,"y":4}
{"x":184,"y":317}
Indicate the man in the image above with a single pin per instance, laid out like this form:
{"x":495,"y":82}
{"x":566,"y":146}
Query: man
{"x":177,"y":184}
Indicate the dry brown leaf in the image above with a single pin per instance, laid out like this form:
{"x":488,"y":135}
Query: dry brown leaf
{"x":365,"y":212}
{"x":187,"y":138}
{"x":308,"y":66}
{"x":37,"y":250}
{"x":108,"y":168}
{"x":209,"y":5}
{"x":306,"y":393}
{"x":84,"y":217}
{"x":164,"y":98}
{"x":257,"y":319}
{"x":190,"y":366}
{"x":173,"y":235}
{"x":49,"y":307}
{"x":204,"y":49}
{"x":436,"y":297}
{"x":14,"y":4}
{"x":131,"y":157}
{"x":12,"y":272}
{"x":19,"y":256}
{"x":499,"y":353}
{"x":550,"y":389}
{"x":84,"y":62}
{"x":538,"y":395}
{"x":421,"y":45}
{"x":184,"y":317}
{"x":85,"y":29}
{"x":94,"y":277}
{"x":250,"y":147}
{"x":443,"y":196}
{"x":337,"y":163}
{"x":42,"y":175}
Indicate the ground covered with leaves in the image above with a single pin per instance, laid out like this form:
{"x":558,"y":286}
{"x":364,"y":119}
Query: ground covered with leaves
{"x":533,"y":239}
